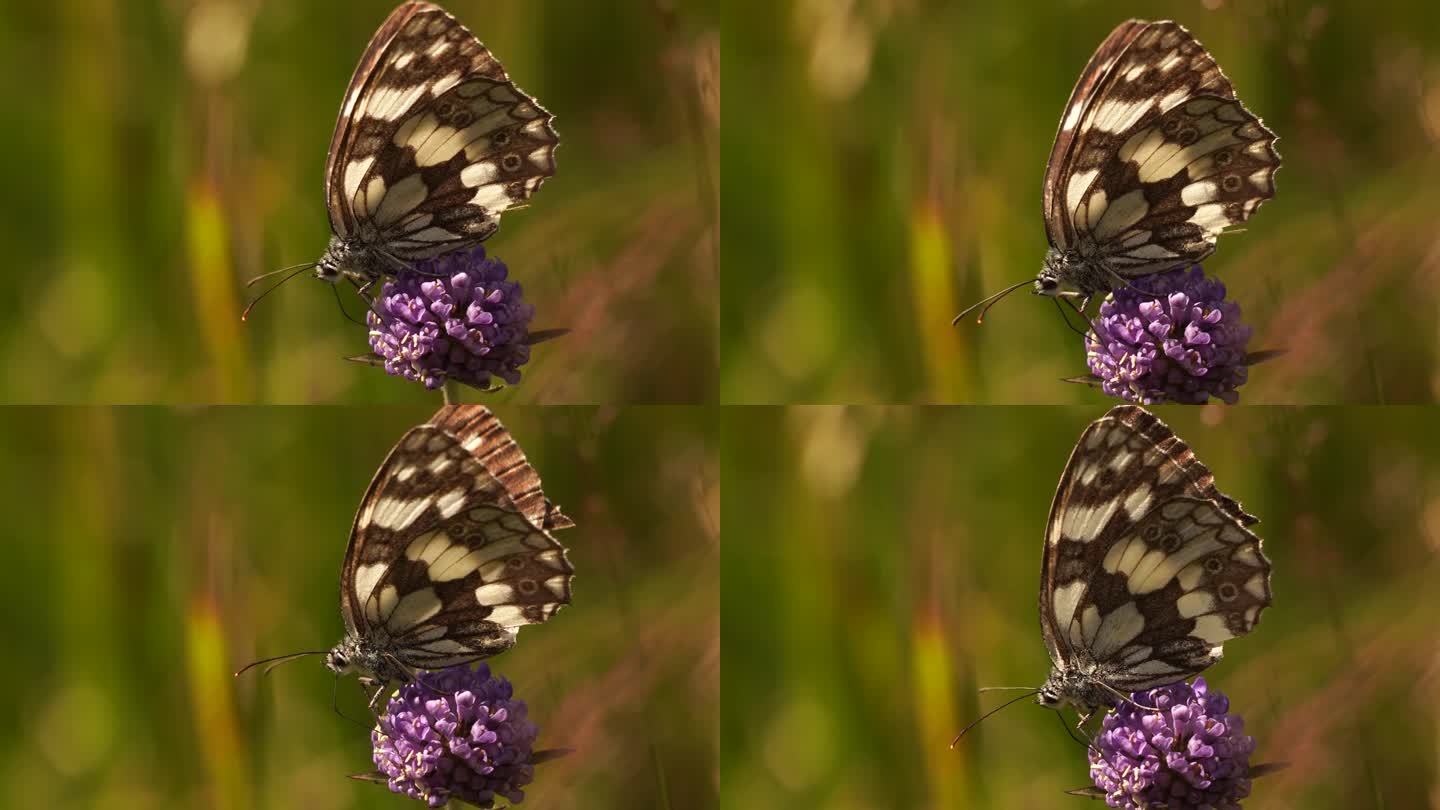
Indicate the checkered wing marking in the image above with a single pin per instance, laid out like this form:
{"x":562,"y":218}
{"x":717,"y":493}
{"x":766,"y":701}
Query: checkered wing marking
{"x":1148,"y":568}
{"x":444,"y":566}
{"x":1154,"y":155}
{"x":433,"y":141}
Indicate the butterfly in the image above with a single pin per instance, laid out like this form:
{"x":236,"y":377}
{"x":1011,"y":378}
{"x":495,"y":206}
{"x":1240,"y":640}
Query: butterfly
{"x":433,"y":143}
{"x":1154,"y":158}
{"x":450,"y":554}
{"x":1148,"y":568}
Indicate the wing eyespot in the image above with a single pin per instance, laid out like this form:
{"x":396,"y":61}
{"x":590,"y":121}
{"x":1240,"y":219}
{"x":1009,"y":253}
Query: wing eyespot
{"x":1170,"y":127}
{"x":1214,"y":565}
{"x":1224,"y":158}
{"x":462,"y":118}
{"x":501,"y":139}
{"x":1231,"y":183}
{"x":1227,"y":592}
{"x":510,"y":163}
{"x":528,"y":587}
{"x":1171,"y":543}
{"x":1187,"y":136}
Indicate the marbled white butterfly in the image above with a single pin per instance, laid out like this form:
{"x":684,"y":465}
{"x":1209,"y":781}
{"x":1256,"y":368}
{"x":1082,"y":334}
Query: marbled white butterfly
{"x":1153,"y":159}
{"x":432,"y":144}
{"x":1148,"y":568}
{"x":451,"y":553}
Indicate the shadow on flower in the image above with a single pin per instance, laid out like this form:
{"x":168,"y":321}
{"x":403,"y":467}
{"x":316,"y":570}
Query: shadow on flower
{"x":456,"y":735}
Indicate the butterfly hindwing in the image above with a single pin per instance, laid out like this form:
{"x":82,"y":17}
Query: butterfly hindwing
{"x":445,"y":561}
{"x":433,"y":141}
{"x":1148,"y":569}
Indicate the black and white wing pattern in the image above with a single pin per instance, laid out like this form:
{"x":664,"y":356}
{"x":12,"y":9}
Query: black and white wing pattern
{"x":433,"y":143}
{"x":451,"y":551}
{"x":1148,"y":568}
{"x":1154,"y":157}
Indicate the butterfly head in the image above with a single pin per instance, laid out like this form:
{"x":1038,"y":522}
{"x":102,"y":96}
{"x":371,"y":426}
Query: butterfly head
{"x":332,"y":264}
{"x":342,"y":658}
{"x":1058,"y":275}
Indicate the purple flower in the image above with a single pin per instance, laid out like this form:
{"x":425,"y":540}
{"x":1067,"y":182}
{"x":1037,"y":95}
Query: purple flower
{"x":1169,"y":337}
{"x":455,"y":733}
{"x":1190,"y":754}
{"x":453,"y":317}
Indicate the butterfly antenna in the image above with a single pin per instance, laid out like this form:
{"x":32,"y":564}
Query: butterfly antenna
{"x":296,"y":270}
{"x":1007,"y":688}
{"x":256,"y":280}
{"x":988,"y":302}
{"x":276,"y":661}
{"x":976,"y":722}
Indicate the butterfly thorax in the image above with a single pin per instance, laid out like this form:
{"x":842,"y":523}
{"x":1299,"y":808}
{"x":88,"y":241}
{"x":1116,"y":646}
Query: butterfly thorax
{"x":352,"y":259}
{"x":1080,"y":271}
{"x":1073,"y":687}
{"x":361,"y":655}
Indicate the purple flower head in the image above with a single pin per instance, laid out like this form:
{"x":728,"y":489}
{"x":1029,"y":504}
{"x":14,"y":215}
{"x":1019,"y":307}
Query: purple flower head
{"x":453,"y":317}
{"x":1191,"y":754}
{"x":455,"y":733}
{"x":1169,"y":337}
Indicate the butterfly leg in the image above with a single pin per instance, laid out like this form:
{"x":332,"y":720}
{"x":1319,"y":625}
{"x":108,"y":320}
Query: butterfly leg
{"x":379,"y":685}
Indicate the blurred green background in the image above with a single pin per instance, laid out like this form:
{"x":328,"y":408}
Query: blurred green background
{"x":883,"y":167}
{"x":887,"y":565}
{"x":158,"y":154}
{"x":155,"y":551}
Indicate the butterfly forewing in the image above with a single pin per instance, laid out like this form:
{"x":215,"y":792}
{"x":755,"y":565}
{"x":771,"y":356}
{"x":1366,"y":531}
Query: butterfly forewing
{"x":1154,"y":157}
{"x":445,"y":562}
{"x":1148,"y":569}
{"x":432,"y":144}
